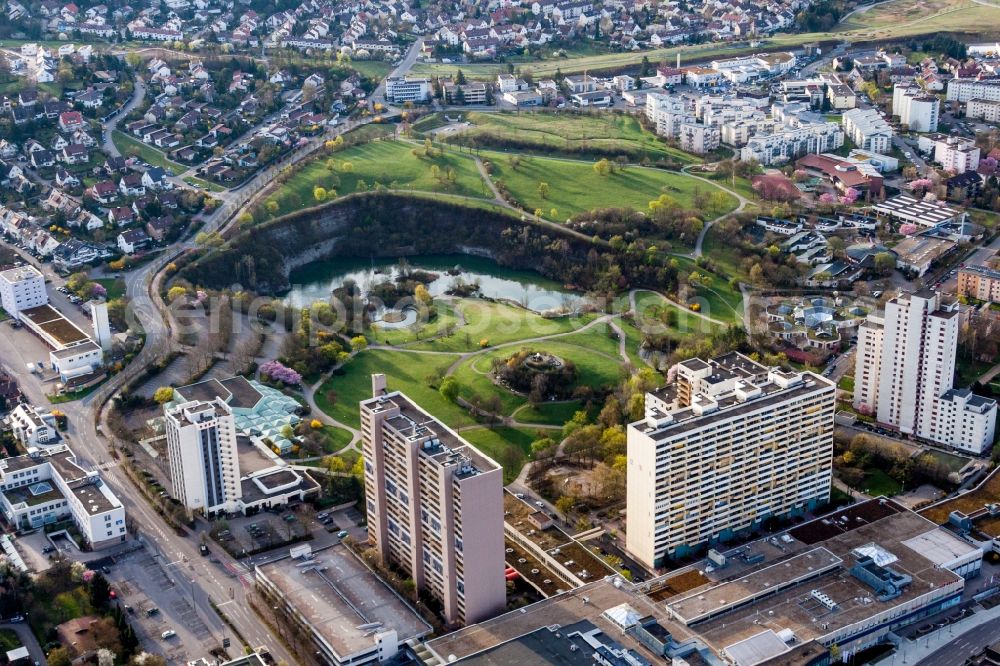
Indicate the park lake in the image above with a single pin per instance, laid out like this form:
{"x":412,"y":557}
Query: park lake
{"x":314,"y":282}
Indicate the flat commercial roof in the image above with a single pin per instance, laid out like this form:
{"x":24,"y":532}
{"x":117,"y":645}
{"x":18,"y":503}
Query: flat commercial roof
{"x":342,"y":597}
{"x":941,"y":547}
{"x":53,"y":323}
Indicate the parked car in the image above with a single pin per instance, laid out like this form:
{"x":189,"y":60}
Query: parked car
{"x":169,"y":633}
{"x":203,"y":549}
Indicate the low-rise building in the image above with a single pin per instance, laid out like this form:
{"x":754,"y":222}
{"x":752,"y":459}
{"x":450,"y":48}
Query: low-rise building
{"x":31,"y":426}
{"x":868,"y":130}
{"x":409,"y":88}
{"x":956,"y":154}
{"x":983,"y":109}
{"x":906,"y":209}
{"x":348,"y":616}
{"x":46,"y":486}
{"x":979,"y":282}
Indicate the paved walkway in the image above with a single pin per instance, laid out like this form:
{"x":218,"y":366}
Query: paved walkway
{"x":28,"y":640}
{"x":926,"y":648}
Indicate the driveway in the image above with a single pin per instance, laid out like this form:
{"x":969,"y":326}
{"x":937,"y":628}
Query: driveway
{"x":28,"y":640}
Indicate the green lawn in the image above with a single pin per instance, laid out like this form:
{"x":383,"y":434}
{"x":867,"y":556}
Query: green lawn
{"x":511,"y":447}
{"x":405,"y":371}
{"x":568,"y":133}
{"x":650,"y":316}
{"x":9,"y":640}
{"x":574,"y":186}
{"x":133,"y":147}
{"x":952,"y":462}
{"x":391,"y":164}
{"x":718,"y":300}
{"x":593,"y":369}
{"x":553,"y":413}
{"x":115,"y":286}
{"x":445,"y":317}
{"x":335,"y":438}
{"x":879,"y":483}
{"x":373,"y":69}
{"x":846,"y":383}
{"x":499,"y":323}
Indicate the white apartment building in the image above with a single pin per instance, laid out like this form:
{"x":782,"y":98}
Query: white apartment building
{"x":788,"y":143}
{"x":434,"y":505}
{"x":699,"y":139}
{"x":904,"y":373}
{"x":868,"y":130}
{"x":400,"y":89}
{"x":727,"y":445}
{"x":21,"y":289}
{"x":983,"y":109}
{"x":956,"y":154}
{"x":44,"y":487}
{"x":964,"y":90}
{"x":668,"y":113}
{"x":31,"y":426}
{"x":915,"y":108}
{"x":201,"y":447}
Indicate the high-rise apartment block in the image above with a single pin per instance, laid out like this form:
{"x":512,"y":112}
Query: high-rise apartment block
{"x":904,"y":373}
{"x":728,"y":444}
{"x":917,"y":109}
{"x":22,"y":289}
{"x":201,"y":447}
{"x":435,"y":506}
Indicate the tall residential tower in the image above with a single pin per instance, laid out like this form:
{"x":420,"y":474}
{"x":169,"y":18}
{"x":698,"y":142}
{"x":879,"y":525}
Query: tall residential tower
{"x":435,"y":506}
{"x":905,"y":369}
{"x":201,"y":447}
{"x":727,"y":445}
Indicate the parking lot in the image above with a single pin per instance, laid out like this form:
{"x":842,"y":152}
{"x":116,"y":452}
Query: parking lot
{"x":158,"y":598}
{"x":263,"y":531}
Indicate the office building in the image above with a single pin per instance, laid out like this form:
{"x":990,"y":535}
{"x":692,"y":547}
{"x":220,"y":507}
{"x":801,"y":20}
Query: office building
{"x":964,"y":90}
{"x":868,"y":130}
{"x":904,"y":374}
{"x":435,"y":506}
{"x":728,"y":444}
{"x":201,"y":447}
{"x":400,"y":89}
{"x":44,"y":487}
{"x":979,"y":282}
{"x":21,"y":289}
{"x":916,"y":109}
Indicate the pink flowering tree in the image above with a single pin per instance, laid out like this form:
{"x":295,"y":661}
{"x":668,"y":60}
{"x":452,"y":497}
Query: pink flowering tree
{"x":988,"y":166}
{"x":827,"y":198}
{"x":908,"y":229}
{"x":850,"y":196}
{"x":278,"y":372}
{"x":97,"y":290}
{"x":920,"y":184}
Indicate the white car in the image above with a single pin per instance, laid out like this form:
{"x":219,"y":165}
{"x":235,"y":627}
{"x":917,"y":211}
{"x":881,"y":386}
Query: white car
{"x":169,"y":633}
{"x":908,"y":155}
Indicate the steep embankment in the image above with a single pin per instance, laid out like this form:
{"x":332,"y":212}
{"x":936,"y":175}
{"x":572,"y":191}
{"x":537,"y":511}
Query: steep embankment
{"x":382,"y":224}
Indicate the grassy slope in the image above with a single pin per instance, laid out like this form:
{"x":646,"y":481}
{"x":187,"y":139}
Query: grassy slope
{"x":499,"y":323}
{"x":126,"y":145}
{"x":390,"y":163}
{"x":575,"y":187}
{"x":574,"y":133}
{"x":405,"y":371}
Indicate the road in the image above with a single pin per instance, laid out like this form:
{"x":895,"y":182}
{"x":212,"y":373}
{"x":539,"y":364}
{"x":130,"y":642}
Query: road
{"x":28,"y":640}
{"x":227,"y":582}
{"x":138,"y":94}
{"x":955,"y":652}
{"x":401,"y":69}
{"x":979,"y":256}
